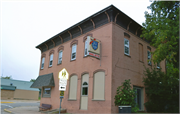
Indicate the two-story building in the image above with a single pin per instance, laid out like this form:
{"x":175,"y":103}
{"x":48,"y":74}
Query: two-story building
{"x":93,"y":79}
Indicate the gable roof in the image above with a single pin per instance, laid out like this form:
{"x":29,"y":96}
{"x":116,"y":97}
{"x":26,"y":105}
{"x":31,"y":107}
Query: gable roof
{"x":19,"y":84}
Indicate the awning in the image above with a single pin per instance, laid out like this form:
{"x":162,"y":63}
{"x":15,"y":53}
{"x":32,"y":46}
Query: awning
{"x":7,"y":87}
{"x":46,"y":80}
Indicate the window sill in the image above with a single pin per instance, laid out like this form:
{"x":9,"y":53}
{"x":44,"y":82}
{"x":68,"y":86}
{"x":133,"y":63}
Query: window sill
{"x":42,"y":69}
{"x":59,"y":63}
{"x":72,"y":99}
{"x":46,"y":96}
{"x":85,"y":56}
{"x":49,"y":66}
{"x":141,"y":61}
{"x":98,"y":99}
{"x":149,"y":64}
{"x":72,"y":60}
{"x":127,"y":55}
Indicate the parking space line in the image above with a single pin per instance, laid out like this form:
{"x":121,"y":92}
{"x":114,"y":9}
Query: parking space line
{"x":7,"y":105}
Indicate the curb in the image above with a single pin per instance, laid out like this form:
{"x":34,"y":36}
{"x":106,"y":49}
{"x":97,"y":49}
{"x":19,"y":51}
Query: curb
{"x":7,"y":110}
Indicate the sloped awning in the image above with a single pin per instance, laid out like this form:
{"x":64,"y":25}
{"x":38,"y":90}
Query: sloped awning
{"x":6,"y":87}
{"x":46,"y":80}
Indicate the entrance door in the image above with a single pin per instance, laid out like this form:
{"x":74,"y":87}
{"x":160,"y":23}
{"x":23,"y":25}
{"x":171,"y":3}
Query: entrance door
{"x":84,"y":92}
{"x":139,"y":97}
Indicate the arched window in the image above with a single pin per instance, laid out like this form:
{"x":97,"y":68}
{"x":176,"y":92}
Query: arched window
{"x":73,"y":87}
{"x":51,"y":60}
{"x":73,"y":53}
{"x":60,"y":57}
{"x":85,"y":88}
{"x":42,"y":63}
{"x":99,"y":86}
{"x":85,"y":48}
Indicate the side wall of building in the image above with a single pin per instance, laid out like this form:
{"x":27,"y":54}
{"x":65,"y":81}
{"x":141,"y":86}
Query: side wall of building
{"x":82,"y":65}
{"x":26,"y":94}
{"x":128,"y":67}
{"x":7,"y":94}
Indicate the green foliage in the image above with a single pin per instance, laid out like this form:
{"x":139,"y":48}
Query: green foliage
{"x":125,"y":96}
{"x":32,"y":80}
{"x":161,"y":28}
{"x":7,"y":77}
{"x":162,"y":91}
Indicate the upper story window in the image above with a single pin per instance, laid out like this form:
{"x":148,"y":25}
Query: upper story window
{"x":158,"y":65}
{"x":73,"y":54}
{"x":51,"y":60}
{"x":149,"y":57}
{"x":60,"y":57}
{"x":42,"y":63}
{"x":85,"y":48}
{"x":126,"y":46}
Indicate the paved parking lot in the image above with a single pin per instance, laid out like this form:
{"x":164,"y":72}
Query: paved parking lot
{"x":15,"y":106}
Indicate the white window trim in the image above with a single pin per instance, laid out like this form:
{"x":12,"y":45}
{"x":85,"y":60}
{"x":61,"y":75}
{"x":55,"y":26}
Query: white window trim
{"x":59,"y":62}
{"x":125,"y":45}
{"x":74,"y":51}
{"x":42,"y":63}
{"x":51,"y":58}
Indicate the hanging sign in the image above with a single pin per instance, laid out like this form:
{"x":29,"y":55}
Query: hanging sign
{"x":93,"y":47}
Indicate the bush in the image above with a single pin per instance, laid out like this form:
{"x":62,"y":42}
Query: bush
{"x":125,"y":96}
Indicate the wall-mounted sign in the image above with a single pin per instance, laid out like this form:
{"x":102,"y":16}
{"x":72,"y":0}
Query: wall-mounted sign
{"x":63,"y":74}
{"x":61,"y":93}
{"x":93,"y":47}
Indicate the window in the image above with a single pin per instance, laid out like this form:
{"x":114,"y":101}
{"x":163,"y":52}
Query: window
{"x":51,"y":60}
{"x":46,"y":92}
{"x":149,"y":57}
{"x":85,"y":49}
{"x":73,"y":87}
{"x":98,"y":86}
{"x":158,"y":65}
{"x":140,"y":52}
{"x":42,"y":64}
{"x":73,"y":54}
{"x":60,"y":57}
{"x":85,"y":88}
{"x":126,"y":46}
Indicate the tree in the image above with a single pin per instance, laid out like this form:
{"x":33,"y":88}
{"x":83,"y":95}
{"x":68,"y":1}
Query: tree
{"x":7,"y":77}
{"x":162,"y":91}
{"x":161,"y":29}
{"x":32,"y":80}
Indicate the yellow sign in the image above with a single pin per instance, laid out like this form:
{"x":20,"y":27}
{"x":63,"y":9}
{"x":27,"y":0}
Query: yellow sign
{"x":61,"y":93}
{"x":63,"y":74}
{"x":93,"y":45}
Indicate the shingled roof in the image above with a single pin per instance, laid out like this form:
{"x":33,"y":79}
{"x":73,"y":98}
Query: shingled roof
{"x":46,"y":80}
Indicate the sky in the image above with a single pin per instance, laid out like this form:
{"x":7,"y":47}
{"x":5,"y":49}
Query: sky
{"x":26,"y":24}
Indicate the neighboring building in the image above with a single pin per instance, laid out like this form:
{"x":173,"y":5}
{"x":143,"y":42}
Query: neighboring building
{"x":17,"y":89}
{"x":92,"y":82}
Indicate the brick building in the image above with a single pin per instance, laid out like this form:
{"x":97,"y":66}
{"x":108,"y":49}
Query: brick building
{"x":93,"y":79}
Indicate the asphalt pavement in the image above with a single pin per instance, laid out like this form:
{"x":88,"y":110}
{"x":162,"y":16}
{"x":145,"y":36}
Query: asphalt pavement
{"x":20,"y":106}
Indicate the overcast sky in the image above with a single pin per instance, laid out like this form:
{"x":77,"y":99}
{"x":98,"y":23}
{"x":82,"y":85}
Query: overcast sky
{"x":25,"y":25}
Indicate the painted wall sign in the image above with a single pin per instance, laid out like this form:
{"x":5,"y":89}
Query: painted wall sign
{"x":93,"y":47}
